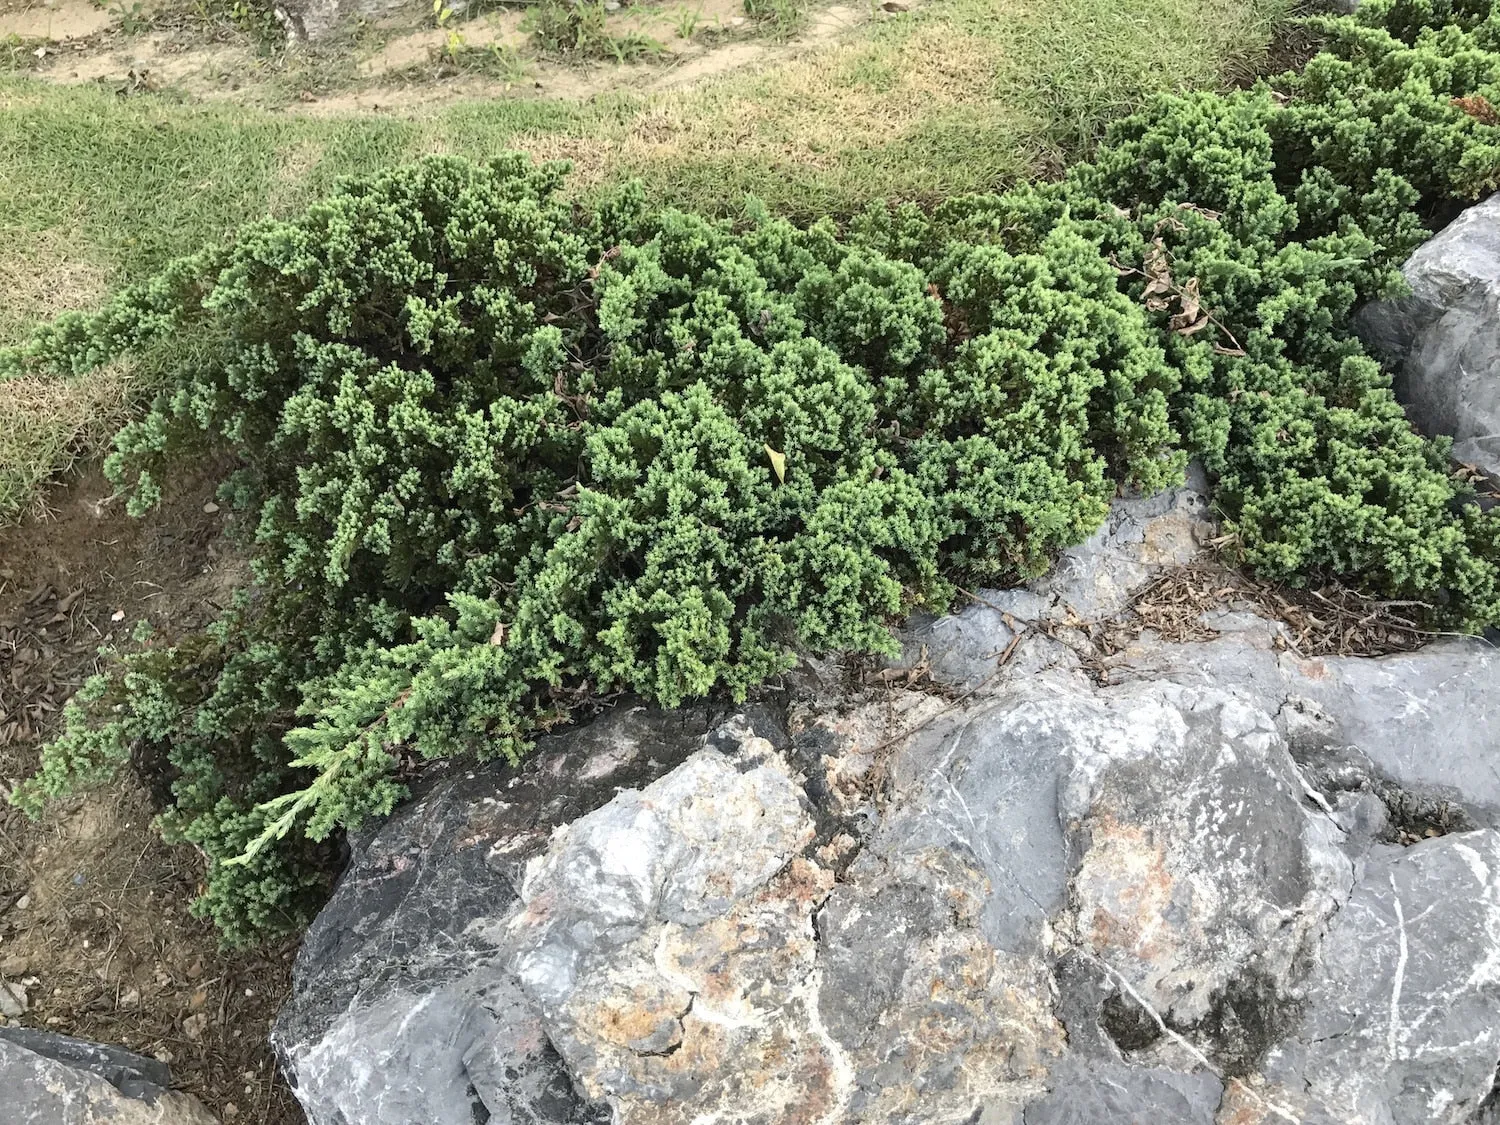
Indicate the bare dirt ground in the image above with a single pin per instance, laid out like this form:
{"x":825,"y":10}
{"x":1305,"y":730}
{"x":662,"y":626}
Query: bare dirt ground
{"x":95,"y":936}
{"x":398,"y":61}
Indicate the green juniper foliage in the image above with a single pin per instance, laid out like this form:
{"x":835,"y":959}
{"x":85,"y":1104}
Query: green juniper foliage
{"x":499,"y":454}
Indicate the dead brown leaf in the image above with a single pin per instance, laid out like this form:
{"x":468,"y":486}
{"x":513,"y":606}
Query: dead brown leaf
{"x":1478,"y":107}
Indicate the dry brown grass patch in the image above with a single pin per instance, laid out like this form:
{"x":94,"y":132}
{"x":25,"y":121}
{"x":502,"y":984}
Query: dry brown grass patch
{"x":814,"y":107}
{"x":289,"y":186}
{"x":42,"y":275}
{"x":46,"y":425}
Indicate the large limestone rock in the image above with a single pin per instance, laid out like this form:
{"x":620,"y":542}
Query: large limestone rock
{"x":1400,"y":1021}
{"x":1442,"y":337}
{"x":48,"y":1079}
{"x":667,"y":939}
{"x":1013,"y":881}
{"x":405,"y":1009}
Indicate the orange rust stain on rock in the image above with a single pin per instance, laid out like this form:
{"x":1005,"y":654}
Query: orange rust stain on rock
{"x":1241,"y":1106}
{"x":1125,"y":874}
{"x":814,"y":1077}
{"x":623,"y":1024}
{"x":806,"y":883}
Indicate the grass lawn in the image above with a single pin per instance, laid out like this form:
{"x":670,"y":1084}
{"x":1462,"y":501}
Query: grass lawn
{"x":98,"y":189}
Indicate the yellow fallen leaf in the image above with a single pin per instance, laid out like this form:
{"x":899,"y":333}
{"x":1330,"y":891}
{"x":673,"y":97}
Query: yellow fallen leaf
{"x":778,"y":463}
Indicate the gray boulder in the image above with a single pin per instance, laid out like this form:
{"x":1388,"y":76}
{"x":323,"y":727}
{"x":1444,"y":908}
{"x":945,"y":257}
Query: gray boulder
{"x":1417,"y":730}
{"x":1155,"y":835}
{"x":1202,"y":876}
{"x":402,"y":1006}
{"x":1425,"y":722}
{"x":1401,"y":1026}
{"x":48,"y":1079}
{"x":1442,"y":337}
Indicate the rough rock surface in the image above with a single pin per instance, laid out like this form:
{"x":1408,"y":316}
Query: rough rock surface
{"x":311,"y":20}
{"x":48,"y":1079}
{"x":668,"y":939}
{"x":1102,"y":1092}
{"x":1442,"y":337}
{"x":1011,"y":880}
{"x":404,"y":973}
{"x":1400,"y":1016}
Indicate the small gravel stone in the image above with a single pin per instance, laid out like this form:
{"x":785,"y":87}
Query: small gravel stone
{"x":14,"y":1002}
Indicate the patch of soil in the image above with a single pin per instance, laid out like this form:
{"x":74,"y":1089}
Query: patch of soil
{"x":401,"y":63}
{"x":720,"y":59}
{"x":58,"y":20}
{"x":158,"y":62}
{"x":94,"y":925}
{"x":420,"y":46}
{"x":134,"y":49}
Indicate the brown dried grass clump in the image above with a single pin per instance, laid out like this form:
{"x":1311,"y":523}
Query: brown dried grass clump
{"x":47,"y":425}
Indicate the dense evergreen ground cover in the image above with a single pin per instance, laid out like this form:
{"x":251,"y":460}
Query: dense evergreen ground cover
{"x":503,"y":451}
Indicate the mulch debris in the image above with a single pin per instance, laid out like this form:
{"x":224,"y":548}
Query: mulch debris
{"x":1331,"y":620}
